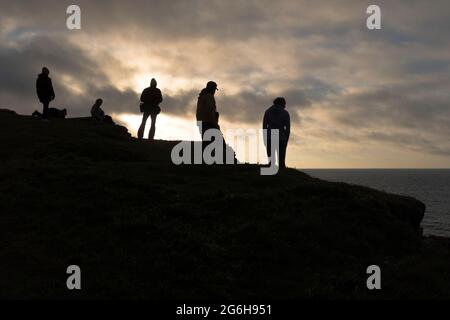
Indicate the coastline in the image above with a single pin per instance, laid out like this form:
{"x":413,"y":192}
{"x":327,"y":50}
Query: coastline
{"x":79,"y":193}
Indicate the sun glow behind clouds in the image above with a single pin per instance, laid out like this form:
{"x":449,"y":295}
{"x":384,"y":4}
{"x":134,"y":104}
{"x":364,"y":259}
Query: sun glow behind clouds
{"x":181,"y":129}
{"x":167,"y":127}
{"x":168,"y":83}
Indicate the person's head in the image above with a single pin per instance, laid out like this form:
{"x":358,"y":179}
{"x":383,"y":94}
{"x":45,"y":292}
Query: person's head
{"x":153,"y":83}
{"x":98,"y":102}
{"x":211,"y":87}
{"x":280,"y":101}
{"x":45,"y":71}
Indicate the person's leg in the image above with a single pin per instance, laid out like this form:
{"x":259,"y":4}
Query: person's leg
{"x":276,"y":153}
{"x":205,"y":127}
{"x":45,"y":111}
{"x":151,"y":135}
{"x":269,"y":150}
{"x":282,"y":152}
{"x":142,"y":127}
{"x":108,"y":120}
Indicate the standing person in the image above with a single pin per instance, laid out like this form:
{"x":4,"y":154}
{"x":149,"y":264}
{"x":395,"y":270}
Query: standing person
{"x":44,"y":89}
{"x":207,"y":115}
{"x":276,"y":117}
{"x":150,"y":99}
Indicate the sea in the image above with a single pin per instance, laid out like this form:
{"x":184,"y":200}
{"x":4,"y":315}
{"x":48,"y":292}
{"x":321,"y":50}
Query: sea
{"x":431,"y":186}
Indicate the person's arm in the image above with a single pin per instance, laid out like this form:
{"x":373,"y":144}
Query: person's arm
{"x":52,"y":92}
{"x":160,"y":98}
{"x":38,"y":89}
{"x":265,"y":121}
{"x":212,"y":109}
{"x":142,"y":97}
{"x":288,"y":125}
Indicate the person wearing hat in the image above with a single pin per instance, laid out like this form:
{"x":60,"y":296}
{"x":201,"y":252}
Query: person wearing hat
{"x":206,"y":107}
{"x":277,"y":118}
{"x":150,"y":99}
{"x":207,"y":115}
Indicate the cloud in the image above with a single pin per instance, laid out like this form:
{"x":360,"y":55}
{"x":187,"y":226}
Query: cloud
{"x":342,"y":82}
{"x":77,"y":79}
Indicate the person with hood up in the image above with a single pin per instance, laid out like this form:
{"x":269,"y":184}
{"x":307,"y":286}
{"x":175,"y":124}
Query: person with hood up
{"x":277,"y":118}
{"x":44,"y":89}
{"x":150,"y":99}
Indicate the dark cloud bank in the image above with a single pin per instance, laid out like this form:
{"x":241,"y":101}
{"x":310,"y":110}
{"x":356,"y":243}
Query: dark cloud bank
{"x":408,"y":107}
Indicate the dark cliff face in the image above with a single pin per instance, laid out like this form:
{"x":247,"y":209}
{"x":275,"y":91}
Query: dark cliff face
{"x":73,"y":190}
{"x":410,"y":210}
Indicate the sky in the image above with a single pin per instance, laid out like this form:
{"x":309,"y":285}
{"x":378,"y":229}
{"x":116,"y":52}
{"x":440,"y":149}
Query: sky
{"x":358,"y":98}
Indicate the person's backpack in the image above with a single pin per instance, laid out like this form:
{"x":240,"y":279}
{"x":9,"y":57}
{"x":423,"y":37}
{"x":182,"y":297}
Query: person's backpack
{"x":57,"y":113}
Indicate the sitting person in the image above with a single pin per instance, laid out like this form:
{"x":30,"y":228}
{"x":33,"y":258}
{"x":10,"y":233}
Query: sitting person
{"x":52,"y":113}
{"x":98,"y":114}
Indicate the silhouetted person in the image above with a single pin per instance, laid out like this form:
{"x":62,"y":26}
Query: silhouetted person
{"x":207,"y":115}
{"x":208,"y":119}
{"x":98,"y":114}
{"x":276,"y":117}
{"x":44,"y":89}
{"x":150,"y":99}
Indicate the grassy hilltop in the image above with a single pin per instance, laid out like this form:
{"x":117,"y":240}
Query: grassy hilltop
{"x":75,"y":192}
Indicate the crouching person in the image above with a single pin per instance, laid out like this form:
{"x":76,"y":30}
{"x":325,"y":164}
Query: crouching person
{"x":98,"y":114}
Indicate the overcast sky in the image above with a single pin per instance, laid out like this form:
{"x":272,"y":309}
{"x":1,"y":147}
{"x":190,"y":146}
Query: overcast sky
{"x":357,"y":98}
